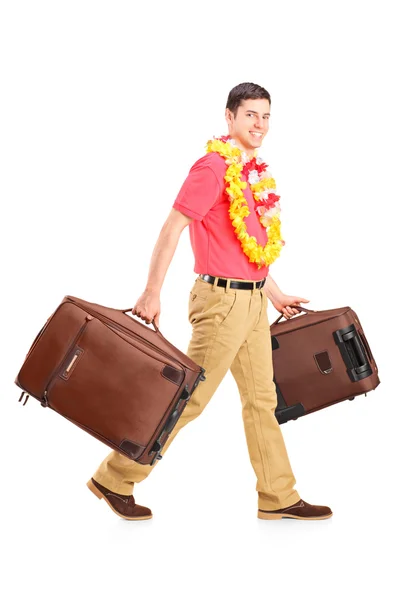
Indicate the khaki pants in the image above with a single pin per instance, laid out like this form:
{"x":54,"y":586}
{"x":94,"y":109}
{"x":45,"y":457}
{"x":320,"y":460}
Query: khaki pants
{"x":230,"y":331}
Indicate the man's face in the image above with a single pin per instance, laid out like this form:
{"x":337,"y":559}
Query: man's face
{"x":251,"y":123}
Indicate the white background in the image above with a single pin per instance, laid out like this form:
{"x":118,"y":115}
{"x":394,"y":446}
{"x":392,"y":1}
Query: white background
{"x":104,"y":108}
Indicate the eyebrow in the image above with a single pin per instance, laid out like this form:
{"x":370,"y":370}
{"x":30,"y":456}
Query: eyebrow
{"x":256,"y":113}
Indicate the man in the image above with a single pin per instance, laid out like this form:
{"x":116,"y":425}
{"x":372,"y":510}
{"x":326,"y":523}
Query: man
{"x":229,"y":201}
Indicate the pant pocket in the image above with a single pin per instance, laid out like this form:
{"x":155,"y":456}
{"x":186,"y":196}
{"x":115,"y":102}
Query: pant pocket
{"x":227,"y":308}
{"x":201,"y":288}
{"x":217,"y":306}
{"x":196,"y":305}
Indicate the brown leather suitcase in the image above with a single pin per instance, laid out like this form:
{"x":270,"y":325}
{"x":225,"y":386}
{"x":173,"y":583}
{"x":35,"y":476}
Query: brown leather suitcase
{"x":319,"y":359}
{"x":111,"y":375}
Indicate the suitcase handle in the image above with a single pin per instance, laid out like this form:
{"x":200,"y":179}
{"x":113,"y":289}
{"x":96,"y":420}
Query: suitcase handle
{"x":294,"y":306}
{"x":153,"y":323}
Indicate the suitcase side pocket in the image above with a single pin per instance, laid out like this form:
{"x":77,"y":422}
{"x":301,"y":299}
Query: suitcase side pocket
{"x":68,"y":362}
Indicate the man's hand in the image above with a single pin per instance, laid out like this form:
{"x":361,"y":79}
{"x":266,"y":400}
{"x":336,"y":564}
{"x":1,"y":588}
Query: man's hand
{"x":148,"y":307}
{"x":282,"y":304}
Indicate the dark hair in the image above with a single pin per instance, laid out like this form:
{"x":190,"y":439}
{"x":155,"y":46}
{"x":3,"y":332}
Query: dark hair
{"x":245,"y":91}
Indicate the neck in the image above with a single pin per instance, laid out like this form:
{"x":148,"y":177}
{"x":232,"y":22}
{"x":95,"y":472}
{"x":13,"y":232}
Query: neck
{"x":249,"y":151}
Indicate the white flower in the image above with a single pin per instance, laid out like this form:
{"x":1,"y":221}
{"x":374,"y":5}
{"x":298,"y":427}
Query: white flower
{"x":272,"y":211}
{"x":253,"y":177}
{"x":265,"y":220}
{"x":245,"y":159}
{"x":266,"y":174}
{"x":264,"y":195}
{"x":259,"y":160}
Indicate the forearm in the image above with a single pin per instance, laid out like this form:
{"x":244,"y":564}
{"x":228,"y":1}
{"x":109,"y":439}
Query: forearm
{"x":271,"y":289}
{"x":161,"y":258}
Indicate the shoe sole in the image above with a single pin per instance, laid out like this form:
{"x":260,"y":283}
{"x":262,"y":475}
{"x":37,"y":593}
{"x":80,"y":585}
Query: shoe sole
{"x":276,"y":516}
{"x":101,"y":496}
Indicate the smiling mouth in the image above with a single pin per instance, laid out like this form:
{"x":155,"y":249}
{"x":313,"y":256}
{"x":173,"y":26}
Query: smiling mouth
{"x":256,"y":134}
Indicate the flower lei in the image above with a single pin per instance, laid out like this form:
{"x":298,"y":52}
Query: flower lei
{"x":262,"y":185}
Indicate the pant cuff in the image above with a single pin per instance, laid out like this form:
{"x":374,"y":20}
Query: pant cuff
{"x":118,"y":488}
{"x":292,"y":499}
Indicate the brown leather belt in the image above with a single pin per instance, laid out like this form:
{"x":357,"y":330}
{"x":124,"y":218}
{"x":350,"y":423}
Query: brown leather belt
{"x":234,"y":284}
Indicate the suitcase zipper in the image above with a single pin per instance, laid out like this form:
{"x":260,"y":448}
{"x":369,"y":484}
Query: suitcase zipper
{"x":45,"y":402}
{"x":113,"y":324}
{"x":164,"y":361}
{"x":123,"y":329}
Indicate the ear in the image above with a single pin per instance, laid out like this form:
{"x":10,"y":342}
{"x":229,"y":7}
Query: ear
{"x":228,"y":116}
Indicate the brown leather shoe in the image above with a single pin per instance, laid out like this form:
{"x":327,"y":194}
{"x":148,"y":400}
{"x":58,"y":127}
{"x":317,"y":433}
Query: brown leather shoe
{"x":300,"y":510}
{"x":124,"y":506}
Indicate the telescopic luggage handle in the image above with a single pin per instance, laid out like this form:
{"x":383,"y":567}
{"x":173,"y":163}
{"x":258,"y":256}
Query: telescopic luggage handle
{"x":294,"y":306}
{"x":152,"y":322}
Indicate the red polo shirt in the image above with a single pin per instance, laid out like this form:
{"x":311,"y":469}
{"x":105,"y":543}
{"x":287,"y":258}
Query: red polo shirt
{"x":217,"y":251}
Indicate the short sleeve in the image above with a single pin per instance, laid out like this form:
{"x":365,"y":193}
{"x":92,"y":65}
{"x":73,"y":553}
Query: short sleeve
{"x":199,"y":192}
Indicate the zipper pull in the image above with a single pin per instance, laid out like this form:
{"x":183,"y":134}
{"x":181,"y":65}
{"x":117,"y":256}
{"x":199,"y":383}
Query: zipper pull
{"x":26,"y":398}
{"x":44,"y":402}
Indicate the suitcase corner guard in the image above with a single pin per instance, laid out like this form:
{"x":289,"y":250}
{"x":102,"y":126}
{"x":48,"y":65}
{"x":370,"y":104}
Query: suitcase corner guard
{"x":289,"y":413}
{"x":174,"y":416}
{"x":283,"y":412}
